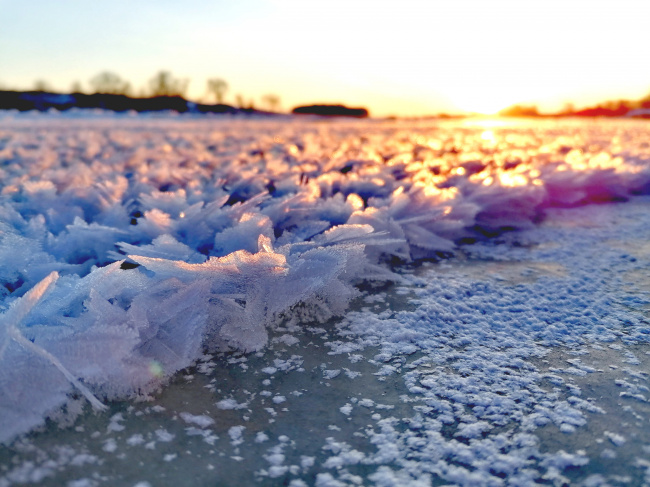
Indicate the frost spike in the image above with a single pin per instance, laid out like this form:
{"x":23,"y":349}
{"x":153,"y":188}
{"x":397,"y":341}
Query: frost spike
{"x":17,"y":313}
{"x":22,"y":341}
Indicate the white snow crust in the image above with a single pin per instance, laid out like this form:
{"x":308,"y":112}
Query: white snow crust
{"x":131,"y":246}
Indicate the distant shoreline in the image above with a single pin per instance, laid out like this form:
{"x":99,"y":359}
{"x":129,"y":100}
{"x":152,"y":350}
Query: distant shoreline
{"x":43,"y":101}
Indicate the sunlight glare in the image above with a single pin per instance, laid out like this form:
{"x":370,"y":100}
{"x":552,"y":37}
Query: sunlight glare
{"x":485,"y":100}
{"x":488,"y":135}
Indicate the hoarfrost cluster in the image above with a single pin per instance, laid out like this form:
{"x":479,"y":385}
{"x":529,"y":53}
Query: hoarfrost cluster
{"x":130,"y":246}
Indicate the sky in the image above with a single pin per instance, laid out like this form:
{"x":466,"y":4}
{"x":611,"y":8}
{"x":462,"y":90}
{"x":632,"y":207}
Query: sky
{"x":397,"y":57}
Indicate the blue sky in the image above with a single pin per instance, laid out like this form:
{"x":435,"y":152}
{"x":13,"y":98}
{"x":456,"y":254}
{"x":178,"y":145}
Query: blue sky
{"x":406,"y":57}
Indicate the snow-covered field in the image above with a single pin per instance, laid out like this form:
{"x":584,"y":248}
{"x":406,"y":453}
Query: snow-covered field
{"x":349,"y":302}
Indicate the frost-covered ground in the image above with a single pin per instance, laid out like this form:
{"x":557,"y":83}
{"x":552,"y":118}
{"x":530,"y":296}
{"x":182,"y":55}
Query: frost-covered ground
{"x":282,"y":262}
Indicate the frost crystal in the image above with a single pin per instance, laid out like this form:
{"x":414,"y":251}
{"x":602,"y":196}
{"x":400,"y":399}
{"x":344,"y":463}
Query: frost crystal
{"x":128,"y":247}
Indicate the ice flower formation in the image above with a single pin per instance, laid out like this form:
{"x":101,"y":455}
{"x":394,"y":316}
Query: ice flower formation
{"x":129,"y":246}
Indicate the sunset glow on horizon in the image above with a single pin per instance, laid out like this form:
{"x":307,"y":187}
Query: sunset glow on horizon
{"x":408,"y":59}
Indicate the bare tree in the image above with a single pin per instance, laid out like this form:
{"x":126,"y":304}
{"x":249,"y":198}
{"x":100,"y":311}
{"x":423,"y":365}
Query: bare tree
{"x":272,"y":101}
{"x":240,"y":101}
{"x":109,"y":83}
{"x":568,"y":108}
{"x":41,"y":85}
{"x":164,"y":84}
{"x":76,"y":87}
{"x":218,"y":88}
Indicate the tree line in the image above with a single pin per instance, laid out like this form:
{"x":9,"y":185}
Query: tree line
{"x":611,"y":108}
{"x":162,"y":92}
{"x":163,"y":83}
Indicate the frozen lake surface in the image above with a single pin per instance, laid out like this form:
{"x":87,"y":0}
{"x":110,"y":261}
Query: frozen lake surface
{"x":429,"y":303}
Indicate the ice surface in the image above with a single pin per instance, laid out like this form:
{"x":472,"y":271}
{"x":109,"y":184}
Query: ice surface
{"x":175,"y":236}
{"x":504,"y":365}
